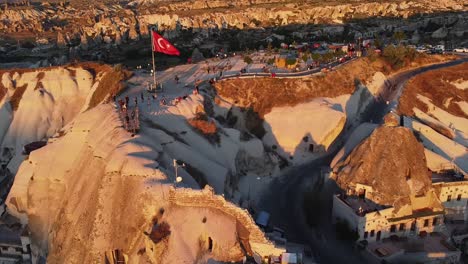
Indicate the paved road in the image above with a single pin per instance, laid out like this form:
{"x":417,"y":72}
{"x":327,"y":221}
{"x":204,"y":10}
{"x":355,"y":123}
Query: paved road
{"x":284,"y":74}
{"x":284,"y":198}
{"x":395,"y":86}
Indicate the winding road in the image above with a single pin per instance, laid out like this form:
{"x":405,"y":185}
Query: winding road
{"x":285,"y":74}
{"x":283,"y":199}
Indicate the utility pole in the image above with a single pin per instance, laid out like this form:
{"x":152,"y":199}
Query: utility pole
{"x":177,"y":179}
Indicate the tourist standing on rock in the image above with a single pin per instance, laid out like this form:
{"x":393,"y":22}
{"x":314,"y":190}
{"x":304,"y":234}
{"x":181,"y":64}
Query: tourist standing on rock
{"x":127,"y":100}
{"x":176,"y":79}
{"x":142,"y":97}
{"x":136,"y":101}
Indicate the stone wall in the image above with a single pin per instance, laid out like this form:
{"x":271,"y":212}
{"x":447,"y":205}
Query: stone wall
{"x":207,"y":198}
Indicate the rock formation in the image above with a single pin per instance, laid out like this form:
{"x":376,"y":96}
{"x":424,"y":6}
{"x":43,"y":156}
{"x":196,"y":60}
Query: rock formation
{"x":110,"y":19}
{"x":392,"y":162}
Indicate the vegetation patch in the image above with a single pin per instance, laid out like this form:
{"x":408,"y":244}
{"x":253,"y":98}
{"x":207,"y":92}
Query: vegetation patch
{"x":400,"y":56}
{"x":40,"y":76}
{"x":205,"y":127}
{"x":3,"y":90}
{"x":110,"y":84}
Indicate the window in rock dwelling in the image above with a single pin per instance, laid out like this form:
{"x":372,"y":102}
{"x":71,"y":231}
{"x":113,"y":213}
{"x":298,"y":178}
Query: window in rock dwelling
{"x":402,"y":227}
{"x":392,"y":228}
{"x":426,"y":223}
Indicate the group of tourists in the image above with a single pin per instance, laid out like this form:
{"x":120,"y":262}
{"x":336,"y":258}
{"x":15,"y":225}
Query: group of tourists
{"x":129,"y":115}
{"x":218,"y":70}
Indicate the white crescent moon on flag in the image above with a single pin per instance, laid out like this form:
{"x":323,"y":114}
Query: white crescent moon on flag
{"x":162,"y":46}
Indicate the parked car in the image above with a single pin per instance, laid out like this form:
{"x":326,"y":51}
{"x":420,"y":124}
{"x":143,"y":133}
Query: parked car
{"x":440,"y":47}
{"x":461,"y":49}
{"x":421,"y":50}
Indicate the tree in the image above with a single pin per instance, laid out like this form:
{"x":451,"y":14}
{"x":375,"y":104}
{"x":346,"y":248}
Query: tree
{"x":305,"y":56}
{"x":290,"y":61}
{"x":247,"y":59}
{"x":399,"y":36}
{"x":372,"y":55}
{"x":315,"y":56}
{"x":378,"y":41}
{"x":399,"y":55}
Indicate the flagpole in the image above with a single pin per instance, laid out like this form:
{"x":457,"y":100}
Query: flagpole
{"x":154,"y":65}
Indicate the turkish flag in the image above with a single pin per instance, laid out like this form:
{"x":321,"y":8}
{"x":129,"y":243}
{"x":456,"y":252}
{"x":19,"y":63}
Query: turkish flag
{"x":161,"y":44}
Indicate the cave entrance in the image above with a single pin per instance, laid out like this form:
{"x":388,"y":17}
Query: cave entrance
{"x":210,"y":244}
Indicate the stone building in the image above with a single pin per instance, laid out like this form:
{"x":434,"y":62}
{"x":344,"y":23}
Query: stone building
{"x":418,"y":231}
{"x":454,"y":197}
{"x":374,"y":222}
{"x":14,"y":247}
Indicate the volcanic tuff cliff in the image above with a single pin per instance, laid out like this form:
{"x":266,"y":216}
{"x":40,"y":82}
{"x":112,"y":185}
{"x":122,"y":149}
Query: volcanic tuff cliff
{"x":106,"y":195}
{"x":117,"y":23}
{"x":392,"y":162}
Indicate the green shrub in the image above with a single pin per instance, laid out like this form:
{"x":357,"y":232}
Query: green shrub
{"x":399,"y":56}
{"x":248,"y":59}
{"x":372,"y":55}
{"x":291,"y":61}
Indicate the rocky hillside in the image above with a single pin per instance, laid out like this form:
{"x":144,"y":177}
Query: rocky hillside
{"x":83,"y":26}
{"x":262,"y":94}
{"x":37,"y":104}
{"x":392,"y":162}
{"x":110,"y":193}
{"x":435,"y":106}
{"x":446,"y":89}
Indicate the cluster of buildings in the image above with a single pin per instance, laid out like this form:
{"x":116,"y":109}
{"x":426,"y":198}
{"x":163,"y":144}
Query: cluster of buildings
{"x":425,"y":231}
{"x":15,"y":245}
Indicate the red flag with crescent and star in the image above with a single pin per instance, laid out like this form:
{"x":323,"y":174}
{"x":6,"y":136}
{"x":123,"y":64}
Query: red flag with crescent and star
{"x":161,"y":44}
